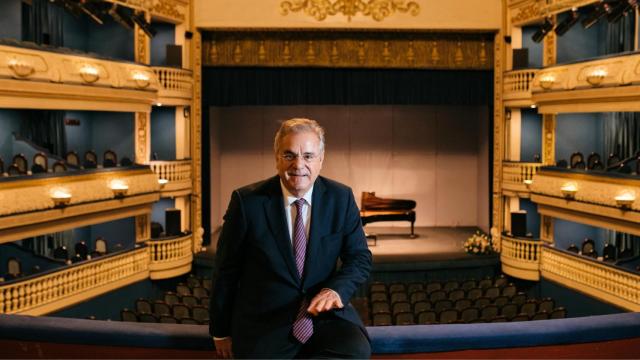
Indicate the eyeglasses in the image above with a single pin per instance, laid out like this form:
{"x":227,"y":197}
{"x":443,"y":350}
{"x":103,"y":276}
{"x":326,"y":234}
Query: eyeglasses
{"x":306,"y":157}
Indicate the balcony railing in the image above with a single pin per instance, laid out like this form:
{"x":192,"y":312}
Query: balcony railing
{"x":521,"y":257}
{"x":514,"y":175}
{"x":67,"y":286}
{"x":169,"y":258}
{"x":607,"y":84}
{"x":590,"y":276}
{"x":176,"y":85}
{"x":178,"y":174}
{"x":517,"y":87}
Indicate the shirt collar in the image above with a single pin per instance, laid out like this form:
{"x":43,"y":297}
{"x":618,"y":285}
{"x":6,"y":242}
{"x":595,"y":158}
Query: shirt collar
{"x":290,"y":199}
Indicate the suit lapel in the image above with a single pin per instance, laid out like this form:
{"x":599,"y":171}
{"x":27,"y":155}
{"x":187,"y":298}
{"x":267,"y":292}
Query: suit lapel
{"x":274,"y":210}
{"x":319,"y":208}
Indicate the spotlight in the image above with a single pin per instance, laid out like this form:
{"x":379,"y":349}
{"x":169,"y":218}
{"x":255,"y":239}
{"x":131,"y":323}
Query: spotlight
{"x":620,"y":10}
{"x":567,"y":23}
{"x":599,"y":10}
{"x":139,"y":19}
{"x":91,"y":9}
{"x":120,"y":15}
{"x":543,"y":31}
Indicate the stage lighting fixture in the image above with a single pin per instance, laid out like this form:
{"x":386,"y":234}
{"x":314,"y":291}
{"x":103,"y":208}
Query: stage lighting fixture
{"x":567,"y":23}
{"x":543,"y":31}
{"x":620,"y":10}
{"x":599,"y":10}
{"x":91,"y":10}
{"x":139,"y":19}
{"x":120,"y":15}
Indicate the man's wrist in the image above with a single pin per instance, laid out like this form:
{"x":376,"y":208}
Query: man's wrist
{"x":221,"y":338}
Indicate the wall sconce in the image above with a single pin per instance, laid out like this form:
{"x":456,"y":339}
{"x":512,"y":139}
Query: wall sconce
{"x":141,"y":79}
{"x":569,"y":190}
{"x":61,"y":198}
{"x":119,"y":188}
{"x":89,"y":74}
{"x":547,"y":81}
{"x":528,"y":182}
{"x":20,"y":68}
{"x":162,"y":183}
{"x":625,"y":200}
{"x":596,"y":77}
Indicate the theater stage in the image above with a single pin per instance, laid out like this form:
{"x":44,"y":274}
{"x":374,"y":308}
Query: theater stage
{"x":434,"y":248}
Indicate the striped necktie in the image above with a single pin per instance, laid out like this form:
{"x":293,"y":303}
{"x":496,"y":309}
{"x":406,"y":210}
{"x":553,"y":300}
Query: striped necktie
{"x":303,"y":325}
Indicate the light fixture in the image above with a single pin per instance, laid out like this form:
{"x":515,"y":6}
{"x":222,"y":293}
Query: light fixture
{"x":533,"y":106}
{"x":547,"y":26}
{"x":20,"y":68}
{"x":527,"y":182}
{"x":600,"y":10}
{"x":141,"y":79}
{"x":566,"y":24}
{"x":89,"y":73}
{"x":625,"y":199}
{"x":162,"y":183}
{"x":121,"y":16}
{"x":569,"y":190}
{"x":158,"y":104}
{"x":621,"y":9}
{"x":140,"y":20}
{"x":60,"y":197}
{"x":546,"y":81}
{"x":596,"y":77}
{"x":119,"y":188}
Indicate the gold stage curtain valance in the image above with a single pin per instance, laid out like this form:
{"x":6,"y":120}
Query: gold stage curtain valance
{"x":349,"y":49}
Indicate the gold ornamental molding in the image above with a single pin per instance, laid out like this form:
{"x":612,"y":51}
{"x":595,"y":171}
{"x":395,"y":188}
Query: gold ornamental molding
{"x":170,"y":9}
{"x":376,"y":9}
{"x":530,"y":11}
{"x":349,"y":49}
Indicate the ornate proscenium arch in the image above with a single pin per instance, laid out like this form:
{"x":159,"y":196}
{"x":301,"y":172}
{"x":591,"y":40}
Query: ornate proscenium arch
{"x":349,"y":49}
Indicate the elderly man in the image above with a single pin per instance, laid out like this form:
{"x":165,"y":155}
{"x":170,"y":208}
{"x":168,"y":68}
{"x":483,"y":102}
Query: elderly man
{"x":279,"y":292}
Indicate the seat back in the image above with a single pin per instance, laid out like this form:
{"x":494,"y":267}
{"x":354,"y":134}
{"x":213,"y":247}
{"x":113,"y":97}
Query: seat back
{"x":470,"y":314}
{"x":200,"y":314}
{"x":72,"y":158}
{"x":101,"y":245}
{"x":21,"y":162}
{"x":189,"y":300}
{"x":575,"y":159}
{"x":509,"y":310}
{"x":143,"y":306}
{"x":180,"y":311}
{"x":109,"y":159}
{"x":404,"y":318}
{"x":592,"y":159}
{"x":41,"y":159}
{"x":171,"y":298}
{"x":489,"y":312}
{"x":448,"y":316}
{"x":421,"y":306}
{"x":14,"y":268}
{"x":61,"y":253}
{"x":90,"y":160}
{"x":82,"y":249}
{"x":128,"y":315}
{"x":382,"y":319}
{"x":59,"y":166}
{"x":462,"y":304}
{"x":427,"y":317}
{"x":588,"y":247}
{"x":161,"y":308}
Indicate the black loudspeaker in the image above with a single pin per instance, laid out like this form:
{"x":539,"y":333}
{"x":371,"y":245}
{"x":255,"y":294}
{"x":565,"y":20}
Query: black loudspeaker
{"x":172,"y":222}
{"x":520,"y":58}
{"x":174,"y":55}
{"x":156,"y":230}
{"x":188,"y":35}
{"x":519,"y":223}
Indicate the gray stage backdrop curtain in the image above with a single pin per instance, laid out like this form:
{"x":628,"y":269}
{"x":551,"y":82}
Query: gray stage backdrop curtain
{"x":620,"y":35}
{"x":46,"y":129}
{"x":43,"y":23}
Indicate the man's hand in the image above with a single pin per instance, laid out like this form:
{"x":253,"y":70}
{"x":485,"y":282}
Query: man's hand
{"x":223,"y":347}
{"x":326,"y":300}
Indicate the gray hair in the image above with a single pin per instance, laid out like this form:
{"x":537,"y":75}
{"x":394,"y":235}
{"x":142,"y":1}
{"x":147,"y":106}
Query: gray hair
{"x":298,"y":125}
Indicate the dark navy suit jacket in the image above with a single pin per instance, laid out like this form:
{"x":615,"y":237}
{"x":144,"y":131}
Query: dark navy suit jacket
{"x":257,"y":291}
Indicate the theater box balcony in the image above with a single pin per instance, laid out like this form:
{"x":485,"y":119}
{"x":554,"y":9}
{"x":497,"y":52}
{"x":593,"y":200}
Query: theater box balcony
{"x":516,"y":91}
{"x":174,"y":176}
{"x":175,"y":86}
{"x":517,"y":177}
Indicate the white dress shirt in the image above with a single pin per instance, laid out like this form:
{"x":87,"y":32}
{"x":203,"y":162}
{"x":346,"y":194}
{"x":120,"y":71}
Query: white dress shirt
{"x":291,"y":210}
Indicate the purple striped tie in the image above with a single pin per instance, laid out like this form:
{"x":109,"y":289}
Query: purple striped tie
{"x":303,"y":325}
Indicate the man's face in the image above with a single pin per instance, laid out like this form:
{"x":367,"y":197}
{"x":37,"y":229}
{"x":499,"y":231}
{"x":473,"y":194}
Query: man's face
{"x":299,"y":161}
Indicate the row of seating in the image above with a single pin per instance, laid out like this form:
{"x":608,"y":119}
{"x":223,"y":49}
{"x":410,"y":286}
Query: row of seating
{"x":489,"y":313}
{"x":20,"y":164}
{"x":432,"y":286}
{"x":81,"y":251}
{"x":594,"y":162}
{"x":610,"y":252}
{"x":200,"y":317}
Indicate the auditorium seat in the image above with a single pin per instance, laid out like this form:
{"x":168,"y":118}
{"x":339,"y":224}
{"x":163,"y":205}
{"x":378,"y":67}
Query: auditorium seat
{"x":40,"y":163}
{"x":509,"y":290}
{"x":171,"y":298}
{"x":520,"y":317}
{"x":443,"y":304}
{"x":200,"y":292}
{"x":193,"y":281}
{"x":519,"y":298}
{"x":450,"y":285}
{"x":501,"y":301}
{"x":492,"y":292}
{"x":448,"y":316}
{"x":489,"y":312}
{"x":207,"y":284}
{"x":414,"y":287}
{"x":143,"y":306}
{"x":188,"y":321}
{"x":437,"y":295}
{"x":474,"y":293}
{"x":161,"y":308}
{"x":481,"y":302}
{"x":499,"y":318}
{"x":467,"y":285}
{"x":456,"y":294}
{"x":401,"y":306}
{"x":200,"y":314}
{"x":427,"y":317}
{"x":501,"y":281}
{"x":382,"y":320}
{"x":109,"y":159}
{"x":21,"y":162}
{"x":147,"y":318}
{"x":379,"y":296}
{"x":485,"y":283}
{"x":558,"y":313}
{"x":72,"y":159}
{"x":509,"y":310}
{"x":469,"y":314}
{"x":180,"y":311}
{"x":182,"y":289}
{"x":404,"y":318}
{"x":547,"y":304}
{"x":529,"y":307}
{"x":377,"y":287}
{"x":421,"y":306}
{"x":462,"y":304}
{"x":168,"y":319}
{"x":433,"y":286}
{"x":190,"y":300}
{"x":418,"y":296}
{"x":378,"y":307}
{"x":576,"y":159}
{"x":540,"y":315}
{"x":59,"y":167}
{"x":128,"y":315}
{"x":396,"y":288}
{"x":90,"y":160}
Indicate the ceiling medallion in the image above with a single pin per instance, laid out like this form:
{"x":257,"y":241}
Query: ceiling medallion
{"x":377,"y":9}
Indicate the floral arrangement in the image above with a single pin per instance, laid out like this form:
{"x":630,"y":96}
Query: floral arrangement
{"x":478,"y":243}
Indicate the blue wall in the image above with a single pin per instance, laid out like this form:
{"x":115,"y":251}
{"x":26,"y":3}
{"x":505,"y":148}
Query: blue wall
{"x":579,"y":132}
{"x":78,"y":137}
{"x":531,"y":138}
{"x":113,"y":130}
{"x":580,"y":43}
{"x":535,"y":49}
{"x":577,"y":304}
{"x":9,"y":123}
{"x":163,"y":132}
{"x":566,"y":233}
{"x":11,"y":19}
{"x":159,"y":207}
{"x":165,"y":36}
{"x":27,"y":259}
{"x":115,"y":232}
{"x":533,"y":218}
{"x":107,"y":40}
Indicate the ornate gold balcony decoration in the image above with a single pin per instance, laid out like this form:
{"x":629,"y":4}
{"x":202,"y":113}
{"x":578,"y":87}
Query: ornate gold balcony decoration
{"x":349,"y":49}
{"x":592,"y":277}
{"x":176,"y":85}
{"x":520,"y":258}
{"x":517,"y":87}
{"x":517,"y":177}
{"x":377,"y":9}
{"x":171,"y":257}
{"x":527,"y":11}
{"x":20,"y":67}
{"x":174,"y":177}
{"x":170,"y":9}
